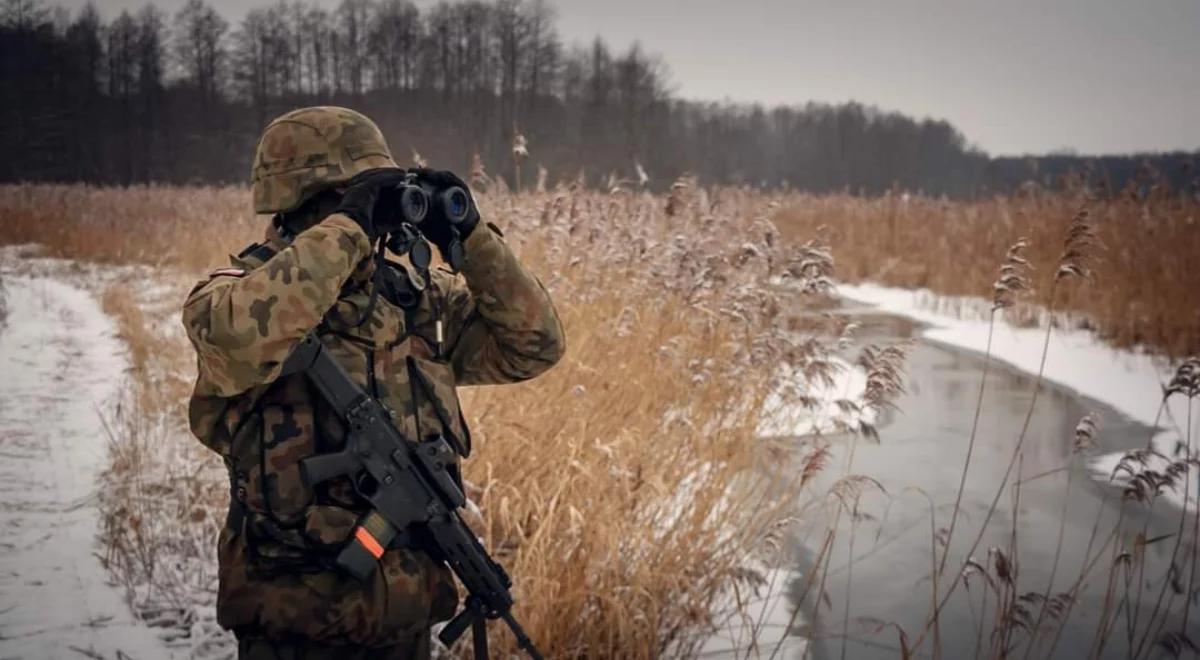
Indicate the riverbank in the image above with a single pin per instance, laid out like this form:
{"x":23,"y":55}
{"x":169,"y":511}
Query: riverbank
{"x":1142,"y":249}
{"x":876,"y":558}
{"x":1130,"y":381}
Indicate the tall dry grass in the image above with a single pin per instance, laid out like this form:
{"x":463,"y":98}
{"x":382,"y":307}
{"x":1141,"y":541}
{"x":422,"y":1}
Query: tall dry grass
{"x":648,"y":488}
{"x":626,"y":490}
{"x":1145,"y":291}
{"x":1029,"y":619}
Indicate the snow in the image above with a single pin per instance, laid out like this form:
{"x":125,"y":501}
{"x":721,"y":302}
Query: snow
{"x":760,"y":628}
{"x":782,"y":417}
{"x":1129,"y":381}
{"x":759,"y":625}
{"x":60,"y":363}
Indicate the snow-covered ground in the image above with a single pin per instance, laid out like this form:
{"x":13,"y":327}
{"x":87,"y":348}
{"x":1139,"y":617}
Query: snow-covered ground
{"x":60,"y":367}
{"x":759,"y":629}
{"x":828,"y":414}
{"x":1129,"y":381}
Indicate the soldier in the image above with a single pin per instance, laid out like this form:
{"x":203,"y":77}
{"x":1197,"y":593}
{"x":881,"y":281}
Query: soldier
{"x":409,"y":335}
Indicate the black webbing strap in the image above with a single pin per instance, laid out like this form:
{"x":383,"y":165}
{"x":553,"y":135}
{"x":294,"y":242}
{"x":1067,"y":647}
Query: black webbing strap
{"x":479,"y":638}
{"x":237,"y":510}
{"x":260,"y":252}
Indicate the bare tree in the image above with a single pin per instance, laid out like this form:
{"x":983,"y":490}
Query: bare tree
{"x":21,"y":14}
{"x":393,"y":41}
{"x":87,"y":53}
{"x":293,"y":17}
{"x":122,"y":57}
{"x":151,"y":36}
{"x":352,"y":50}
{"x":317,"y":44}
{"x":263,"y":56}
{"x":544,"y":50}
{"x":198,"y":47}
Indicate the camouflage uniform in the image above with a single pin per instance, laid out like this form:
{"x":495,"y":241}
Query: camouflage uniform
{"x":277,"y":585}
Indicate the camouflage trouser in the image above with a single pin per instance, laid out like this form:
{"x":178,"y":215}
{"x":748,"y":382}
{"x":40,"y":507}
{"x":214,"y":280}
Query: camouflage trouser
{"x":266,"y":649}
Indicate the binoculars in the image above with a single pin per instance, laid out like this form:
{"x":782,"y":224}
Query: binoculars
{"x":419,"y":201}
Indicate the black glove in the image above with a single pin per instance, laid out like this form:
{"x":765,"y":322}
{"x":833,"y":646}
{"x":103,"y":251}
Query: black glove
{"x":436,"y":228}
{"x":365,"y":194}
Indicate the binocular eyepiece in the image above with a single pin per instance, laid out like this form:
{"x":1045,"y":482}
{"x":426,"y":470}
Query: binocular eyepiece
{"x":421,"y":201}
{"x":414,"y":203}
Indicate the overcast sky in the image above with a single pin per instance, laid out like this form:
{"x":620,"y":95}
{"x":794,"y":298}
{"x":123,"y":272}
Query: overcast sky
{"x":1016,"y":76}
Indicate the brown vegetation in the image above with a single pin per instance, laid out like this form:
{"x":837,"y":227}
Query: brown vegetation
{"x":649,"y":492}
{"x":1145,"y":293}
{"x":617,"y":488}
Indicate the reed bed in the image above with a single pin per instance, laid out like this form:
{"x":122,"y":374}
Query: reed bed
{"x":626,"y":490}
{"x":1145,"y":293}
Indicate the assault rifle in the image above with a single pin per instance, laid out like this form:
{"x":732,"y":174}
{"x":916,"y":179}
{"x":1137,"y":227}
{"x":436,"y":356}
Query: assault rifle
{"x":411,"y":490}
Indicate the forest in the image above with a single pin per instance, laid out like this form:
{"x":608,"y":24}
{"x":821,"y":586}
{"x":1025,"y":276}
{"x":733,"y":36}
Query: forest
{"x":150,"y":96}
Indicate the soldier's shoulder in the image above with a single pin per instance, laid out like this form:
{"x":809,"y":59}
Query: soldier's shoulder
{"x":253,"y":255}
{"x":240,"y":265}
{"x":214,"y":277}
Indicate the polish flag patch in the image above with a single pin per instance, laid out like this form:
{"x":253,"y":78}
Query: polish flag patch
{"x":228,"y":272}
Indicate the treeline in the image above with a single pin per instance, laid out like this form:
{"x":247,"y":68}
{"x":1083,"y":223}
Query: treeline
{"x":148,"y":96}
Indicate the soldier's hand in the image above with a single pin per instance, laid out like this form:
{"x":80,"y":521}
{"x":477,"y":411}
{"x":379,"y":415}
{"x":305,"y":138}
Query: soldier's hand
{"x":436,"y":228}
{"x":365,"y":194}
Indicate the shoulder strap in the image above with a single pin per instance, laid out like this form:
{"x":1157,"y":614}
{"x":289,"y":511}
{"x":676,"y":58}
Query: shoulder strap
{"x":256,"y":254}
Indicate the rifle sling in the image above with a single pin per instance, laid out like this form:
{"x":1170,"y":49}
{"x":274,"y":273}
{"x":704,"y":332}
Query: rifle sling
{"x":479,"y":641}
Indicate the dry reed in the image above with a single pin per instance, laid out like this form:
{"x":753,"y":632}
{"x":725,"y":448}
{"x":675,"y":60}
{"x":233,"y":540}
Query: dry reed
{"x":650,"y":497}
{"x":1145,"y":292}
{"x":626,"y":490}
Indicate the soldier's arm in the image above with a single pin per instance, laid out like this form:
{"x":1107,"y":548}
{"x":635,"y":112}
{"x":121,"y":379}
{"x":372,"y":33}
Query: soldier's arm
{"x":502,"y":325}
{"x":244,"y":325}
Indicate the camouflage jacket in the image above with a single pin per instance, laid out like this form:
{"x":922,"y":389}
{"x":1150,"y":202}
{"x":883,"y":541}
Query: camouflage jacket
{"x":275,"y":577}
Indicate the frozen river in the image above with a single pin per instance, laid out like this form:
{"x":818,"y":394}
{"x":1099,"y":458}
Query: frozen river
{"x":918,"y":462}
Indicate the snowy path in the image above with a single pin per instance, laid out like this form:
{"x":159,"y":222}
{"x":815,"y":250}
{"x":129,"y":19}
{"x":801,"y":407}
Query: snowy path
{"x":60,"y":363}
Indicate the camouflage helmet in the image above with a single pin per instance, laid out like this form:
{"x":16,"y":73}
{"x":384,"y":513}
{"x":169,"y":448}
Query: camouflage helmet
{"x":311,"y":149}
